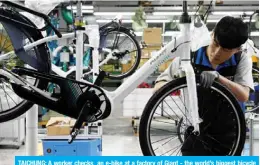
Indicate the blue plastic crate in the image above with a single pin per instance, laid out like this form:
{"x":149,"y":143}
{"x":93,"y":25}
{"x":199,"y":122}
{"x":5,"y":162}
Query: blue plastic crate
{"x":56,"y":147}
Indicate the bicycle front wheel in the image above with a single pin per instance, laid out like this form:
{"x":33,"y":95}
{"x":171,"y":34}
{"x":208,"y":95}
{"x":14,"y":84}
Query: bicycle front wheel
{"x":165,"y":125}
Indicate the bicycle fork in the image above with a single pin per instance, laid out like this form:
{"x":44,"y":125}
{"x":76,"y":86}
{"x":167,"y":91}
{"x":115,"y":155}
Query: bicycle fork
{"x":193,"y":109}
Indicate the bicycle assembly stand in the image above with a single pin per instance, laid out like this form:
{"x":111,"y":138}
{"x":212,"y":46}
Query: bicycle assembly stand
{"x":76,"y":99}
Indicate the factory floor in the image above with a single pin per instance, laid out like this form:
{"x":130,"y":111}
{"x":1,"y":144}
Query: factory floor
{"x":118,"y":139}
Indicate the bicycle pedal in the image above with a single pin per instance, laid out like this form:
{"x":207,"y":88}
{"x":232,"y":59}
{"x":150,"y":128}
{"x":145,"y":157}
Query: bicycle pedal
{"x":73,"y":135}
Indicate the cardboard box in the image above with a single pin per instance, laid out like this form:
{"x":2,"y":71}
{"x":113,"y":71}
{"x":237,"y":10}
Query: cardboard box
{"x":164,"y":66}
{"x":59,"y":126}
{"x":108,"y":68}
{"x":147,"y":52}
{"x":152,"y":36}
{"x":126,"y":67}
{"x":142,"y":62}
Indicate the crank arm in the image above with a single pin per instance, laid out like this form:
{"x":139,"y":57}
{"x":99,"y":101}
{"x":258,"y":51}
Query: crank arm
{"x":81,"y":118}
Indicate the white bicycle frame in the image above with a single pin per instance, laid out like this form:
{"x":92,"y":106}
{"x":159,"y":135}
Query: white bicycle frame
{"x":181,"y":43}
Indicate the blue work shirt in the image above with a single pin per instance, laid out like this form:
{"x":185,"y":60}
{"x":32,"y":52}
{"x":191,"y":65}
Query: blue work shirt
{"x":202,"y":59}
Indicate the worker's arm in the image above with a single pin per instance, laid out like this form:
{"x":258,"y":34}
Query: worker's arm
{"x":167,"y":75}
{"x":241,"y":92}
{"x":243,"y":79}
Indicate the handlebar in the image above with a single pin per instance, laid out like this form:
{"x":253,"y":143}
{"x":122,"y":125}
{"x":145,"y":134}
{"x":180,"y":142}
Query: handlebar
{"x":45,"y":17}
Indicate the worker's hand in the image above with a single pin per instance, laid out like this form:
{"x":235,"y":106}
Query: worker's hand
{"x":158,"y":85}
{"x":208,"y":77}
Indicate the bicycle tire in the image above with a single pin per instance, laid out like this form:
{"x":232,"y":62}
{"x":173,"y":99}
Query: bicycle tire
{"x":40,"y":50}
{"x":138,"y":54}
{"x":256,"y":108}
{"x":146,"y":116}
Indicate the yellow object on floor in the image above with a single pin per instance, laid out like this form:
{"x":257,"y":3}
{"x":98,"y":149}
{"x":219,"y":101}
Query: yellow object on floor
{"x":39,"y":149}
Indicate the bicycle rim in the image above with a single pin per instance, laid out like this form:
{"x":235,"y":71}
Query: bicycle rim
{"x":125,"y":69}
{"x":255,"y":73}
{"x":227,"y":139}
{"x":16,"y":106}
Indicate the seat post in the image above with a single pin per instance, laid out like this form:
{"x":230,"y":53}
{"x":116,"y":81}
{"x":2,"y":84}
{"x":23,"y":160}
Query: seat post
{"x":184,"y":6}
{"x":79,"y":16}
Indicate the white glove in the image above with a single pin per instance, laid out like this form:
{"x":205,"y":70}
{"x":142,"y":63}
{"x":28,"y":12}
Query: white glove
{"x":158,"y":85}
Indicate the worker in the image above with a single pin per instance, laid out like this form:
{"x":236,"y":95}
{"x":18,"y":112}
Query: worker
{"x":222,"y":60}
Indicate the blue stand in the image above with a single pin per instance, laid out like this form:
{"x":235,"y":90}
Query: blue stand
{"x":79,"y":147}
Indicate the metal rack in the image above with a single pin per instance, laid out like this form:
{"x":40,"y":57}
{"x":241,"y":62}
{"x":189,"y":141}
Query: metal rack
{"x":253,"y":122}
{"x":12,"y":133}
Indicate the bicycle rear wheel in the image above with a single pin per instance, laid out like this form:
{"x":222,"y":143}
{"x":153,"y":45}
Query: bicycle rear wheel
{"x":11,"y":105}
{"x":127,"y":56}
{"x":222,"y":130}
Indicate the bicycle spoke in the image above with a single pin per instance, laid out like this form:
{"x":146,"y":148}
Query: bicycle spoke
{"x":164,"y":122}
{"x":133,"y":51}
{"x":8,"y":46}
{"x":212,"y":113}
{"x":4,"y":43}
{"x":173,"y":111}
{"x":169,"y":134}
{"x":122,"y":40}
{"x":171,"y":150}
{"x":219,"y":143}
{"x":9,"y":88}
{"x":7,"y":99}
{"x":116,"y":40}
{"x":180,"y":108}
{"x":207,"y":146}
{"x":176,"y":149}
{"x":163,"y":144}
{"x":1,"y":104}
{"x":2,"y":32}
{"x":8,"y":95}
{"x":160,"y":129}
{"x":169,"y":116}
{"x":162,"y":140}
{"x":201,"y":108}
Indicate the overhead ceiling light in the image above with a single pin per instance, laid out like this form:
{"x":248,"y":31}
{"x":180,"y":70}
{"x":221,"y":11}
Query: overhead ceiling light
{"x":171,"y":13}
{"x":109,"y":20}
{"x":212,"y":21}
{"x":171,"y":33}
{"x":174,"y":33}
{"x":232,"y":12}
{"x":83,"y":7}
{"x":178,"y":8}
{"x":84,"y":11}
{"x":103,"y":20}
{"x":114,"y":13}
{"x":254,"y":34}
{"x":157,"y":21}
{"x":130,"y":21}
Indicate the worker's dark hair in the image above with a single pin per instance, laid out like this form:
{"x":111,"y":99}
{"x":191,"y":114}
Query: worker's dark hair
{"x":230,"y":32}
